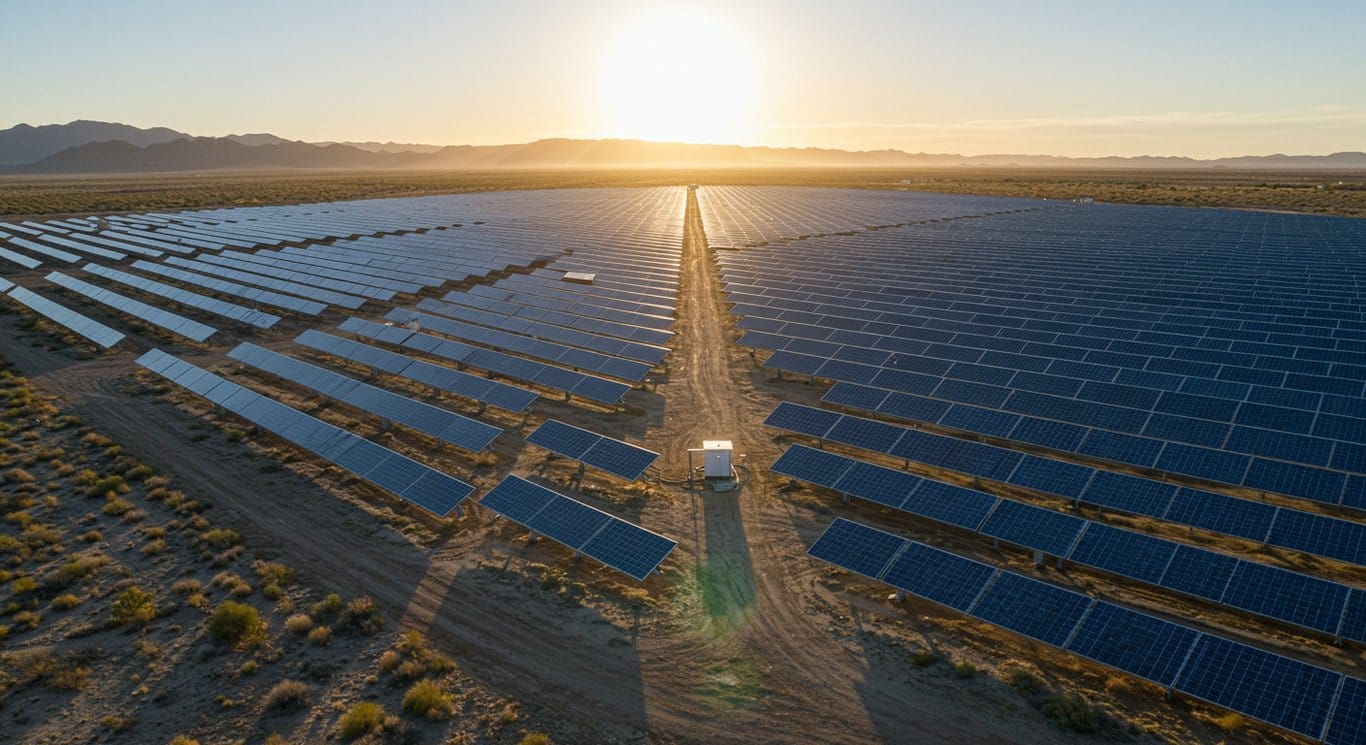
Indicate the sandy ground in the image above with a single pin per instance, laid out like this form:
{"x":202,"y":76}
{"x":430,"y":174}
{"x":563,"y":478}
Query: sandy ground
{"x":744,"y":638}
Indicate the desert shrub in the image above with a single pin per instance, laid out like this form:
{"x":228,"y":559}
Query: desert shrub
{"x":427,"y":698}
{"x":107,"y":486}
{"x":133,"y":606}
{"x":116,"y":724}
{"x":187,"y":586}
{"x":328,"y":606}
{"x":320,"y":636}
{"x":18,"y":476}
{"x":154,"y":532}
{"x":536,"y":738}
{"x":273,"y":572}
{"x":154,"y":548}
{"x":65,"y":602}
{"x":236,"y":623}
{"x":362,"y":718}
{"x":90,"y":536}
{"x":24,"y":585}
{"x":79,"y":568}
{"x":299,"y":623}
{"x":363,"y":614}
{"x":964,"y":670}
{"x":139,"y":472}
{"x":287,"y":694}
{"x":116,"y":507}
{"x":183,"y":740}
{"x":221,"y":538}
{"x":1072,"y":713}
{"x":249,"y":667}
{"x":1230,"y":722}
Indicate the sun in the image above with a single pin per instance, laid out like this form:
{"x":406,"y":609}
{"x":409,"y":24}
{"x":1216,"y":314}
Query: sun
{"x":678,"y":76}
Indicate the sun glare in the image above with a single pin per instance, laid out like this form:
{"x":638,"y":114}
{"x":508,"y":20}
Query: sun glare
{"x":678,"y":76}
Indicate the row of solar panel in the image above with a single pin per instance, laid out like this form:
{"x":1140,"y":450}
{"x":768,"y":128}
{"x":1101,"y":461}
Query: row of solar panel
{"x":327,"y":297}
{"x":271,"y":268}
{"x":94,"y":331}
{"x":463,"y":384}
{"x":1123,"y":373}
{"x":356,"y":265}
{"x":521,"y":324}
{"x":617,"y":543}
{"x":347,"y":275}
{"x":1296,"y":696}
{"x":165,"y":319}
{"x":583,"y":359}
{"x":614,"y":456}
{"x":255,"y":294}
{"x":1221,"y":466}
{"x":423,"y":486}
{"x":573,"y":319}
{"x":547,"y":293}
{"x":228,"y":310}
{"x":1257,"y":521}
{"x":1279,"y":594}
{"x":444,"y":425}
{"x":951,"y":301}
{"x":570,"y":382}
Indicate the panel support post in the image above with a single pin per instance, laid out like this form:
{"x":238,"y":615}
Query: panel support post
{"x":1038,"y":558}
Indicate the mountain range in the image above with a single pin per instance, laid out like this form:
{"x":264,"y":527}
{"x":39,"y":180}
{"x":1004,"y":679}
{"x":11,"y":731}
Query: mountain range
{"x":103,"y":147}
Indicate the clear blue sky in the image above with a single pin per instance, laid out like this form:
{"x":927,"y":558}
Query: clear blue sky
{"x":1168,"y":78}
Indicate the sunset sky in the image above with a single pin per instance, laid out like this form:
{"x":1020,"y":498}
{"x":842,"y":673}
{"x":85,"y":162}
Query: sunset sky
{"x":1204,"y":79}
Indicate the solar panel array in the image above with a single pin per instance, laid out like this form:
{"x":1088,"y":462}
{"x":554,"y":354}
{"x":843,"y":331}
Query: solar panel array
{"x":1222,"y":347}
{"x":94,"y":331}
{"x":617,"y":543}
{"x":176,"y":324}
{"x":1218,"y":345}
{"x":590,"y":448}
{"x":419,"y":484}
{"x":463,"y":384}
{"x":1269,"y":687}
{"x":444,"y":425}
{"x":249,"y":316}
{"x":517,"y":368}
{"x":1335,"y":538}
{"x":1269,"y":591}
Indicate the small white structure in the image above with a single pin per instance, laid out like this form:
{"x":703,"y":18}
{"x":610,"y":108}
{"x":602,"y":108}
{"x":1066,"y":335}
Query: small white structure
{"x":580,"y":278}
{"x":716,"y":459}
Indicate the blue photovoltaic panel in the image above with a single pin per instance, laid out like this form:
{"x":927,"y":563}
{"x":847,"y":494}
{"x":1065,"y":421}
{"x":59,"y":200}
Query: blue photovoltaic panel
{"x":1348,"y":726}
{"x":1198,"y":572}
{"x":565,"y":439}
{"x":1148,"y":647}
{"x":1033,"y":527}
{"x":858,"y":548}
{"x":1272,"y":688}
{"x":98,"y":333}
{"x":877,"y":484}
{"x":619,"y":544}
{"x":1127,"y":493}
{"x":812,"y":465}
{"x":1221,"y":514}
{"x":953,"y":505}
{"x":804,"y":420}
{"x":611,"y":455}
{"x":423,"y":486}
{"x":1033,"y":608}
{"x":1124,"y":552}
{"x":945,"y":578}
{"x":1290,"y":596}
{"x":631,"y":549}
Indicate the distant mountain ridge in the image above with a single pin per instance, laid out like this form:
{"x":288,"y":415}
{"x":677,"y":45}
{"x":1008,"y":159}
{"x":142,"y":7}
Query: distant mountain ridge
{"x":98,"y":147}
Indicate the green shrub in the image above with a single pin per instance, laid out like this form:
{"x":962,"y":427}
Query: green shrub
{"x":287,"y":694}
{"x":133,"y":606}
{"x":427,"y":698}
{"x":361,"y":719}
{"x":65,"y":602}
{"x":1072,"y":713}
{"x":236,"y":623}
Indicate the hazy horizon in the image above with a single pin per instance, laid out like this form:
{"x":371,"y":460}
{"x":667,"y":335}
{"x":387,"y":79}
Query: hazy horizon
{"x":1164,"y":79}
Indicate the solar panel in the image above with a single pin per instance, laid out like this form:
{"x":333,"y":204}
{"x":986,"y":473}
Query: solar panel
{"x":239,"y":313}
{"x":1033,"y":527}
{"x":1269,"y":687}
{"x":940,"y":576}
{"x":1348,"y":724}
{"x":858,"y":548}
{"x":619,"y":544}
{"x":412,"y":481}
{"x":165,"y":319}
{"x":94,"y":331}
{"x":611,"y":455}
{"x":444,"y":425}
{"x":1035,"y":609}
{"x":1151,"y":648}
{"x":811,"y":465}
